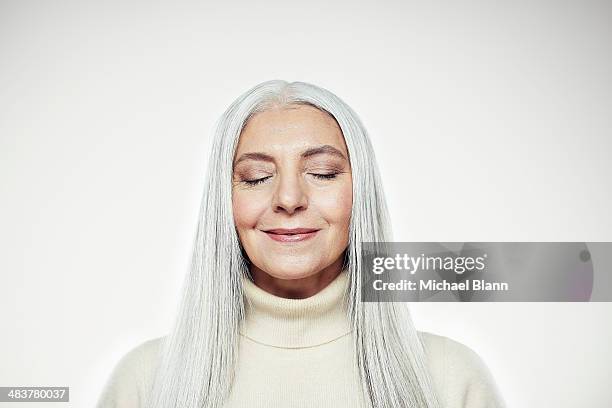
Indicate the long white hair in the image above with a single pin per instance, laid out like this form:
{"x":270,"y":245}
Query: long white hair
{"x":199,"y":355}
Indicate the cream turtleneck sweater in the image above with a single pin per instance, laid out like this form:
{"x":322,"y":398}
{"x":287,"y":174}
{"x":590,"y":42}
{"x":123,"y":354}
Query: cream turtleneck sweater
{"x":297,"y":353}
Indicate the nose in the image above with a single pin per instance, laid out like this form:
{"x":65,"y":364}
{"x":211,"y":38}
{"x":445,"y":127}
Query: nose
{"x":290,"y":195}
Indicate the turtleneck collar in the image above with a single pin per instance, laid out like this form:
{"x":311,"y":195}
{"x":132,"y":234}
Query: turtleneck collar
{"x":296,"y":323}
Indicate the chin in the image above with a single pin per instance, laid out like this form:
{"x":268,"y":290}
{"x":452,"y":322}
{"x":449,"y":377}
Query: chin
{"x":291,"y":271}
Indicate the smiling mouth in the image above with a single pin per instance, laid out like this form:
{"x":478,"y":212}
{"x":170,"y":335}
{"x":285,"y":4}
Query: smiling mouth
{"x":291,"y":235}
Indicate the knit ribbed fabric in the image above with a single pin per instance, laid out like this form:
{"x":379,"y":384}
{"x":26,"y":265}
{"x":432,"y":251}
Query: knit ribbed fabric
{"x":296,"y":323}
{"x":298,"y":353}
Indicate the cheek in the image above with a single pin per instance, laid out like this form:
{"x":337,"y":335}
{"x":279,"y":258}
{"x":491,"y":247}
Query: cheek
{"x":336,"y":207}
{"x":247,"y":209}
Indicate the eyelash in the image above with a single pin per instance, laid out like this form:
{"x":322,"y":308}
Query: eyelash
{"x":319,"y":176}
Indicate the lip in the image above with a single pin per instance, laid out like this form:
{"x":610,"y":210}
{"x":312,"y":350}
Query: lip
{"x":291,"y":235}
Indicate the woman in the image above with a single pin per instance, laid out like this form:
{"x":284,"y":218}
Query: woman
{"x":271,"y":314}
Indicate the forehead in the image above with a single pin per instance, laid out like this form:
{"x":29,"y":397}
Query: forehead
{"x":291,"y":127}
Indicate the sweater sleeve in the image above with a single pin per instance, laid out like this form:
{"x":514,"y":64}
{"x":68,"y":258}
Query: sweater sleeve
{"x":469,"y":381}
{"x":123,"y":389}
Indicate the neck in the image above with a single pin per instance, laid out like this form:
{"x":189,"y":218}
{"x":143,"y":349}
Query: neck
{"x":296,"y":287}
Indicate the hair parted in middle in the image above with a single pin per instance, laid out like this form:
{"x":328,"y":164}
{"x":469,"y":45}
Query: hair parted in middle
{"x":200,"y":353}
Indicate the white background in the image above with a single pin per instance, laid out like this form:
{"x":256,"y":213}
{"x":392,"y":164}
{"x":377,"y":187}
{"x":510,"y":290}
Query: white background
{"x":491,"y":122}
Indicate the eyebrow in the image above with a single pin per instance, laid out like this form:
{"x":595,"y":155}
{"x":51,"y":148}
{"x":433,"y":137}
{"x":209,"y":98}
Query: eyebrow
{"x":324,"y":149}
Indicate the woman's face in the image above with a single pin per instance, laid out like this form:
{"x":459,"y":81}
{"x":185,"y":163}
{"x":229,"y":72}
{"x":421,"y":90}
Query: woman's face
{"x":291,"y":171}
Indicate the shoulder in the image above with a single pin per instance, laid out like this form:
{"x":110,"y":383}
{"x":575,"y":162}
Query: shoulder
{"x":460,"y":376}
{"x":451,"y":353}
{"x":140,"y":359}
{"x":131,"y":376}
{"x":148,"y":350}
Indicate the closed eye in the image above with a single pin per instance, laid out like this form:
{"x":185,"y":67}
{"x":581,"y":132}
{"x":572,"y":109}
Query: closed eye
{"x":257,"y":181}
{"x":319,"y":176}
{"x":324,"y":176}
